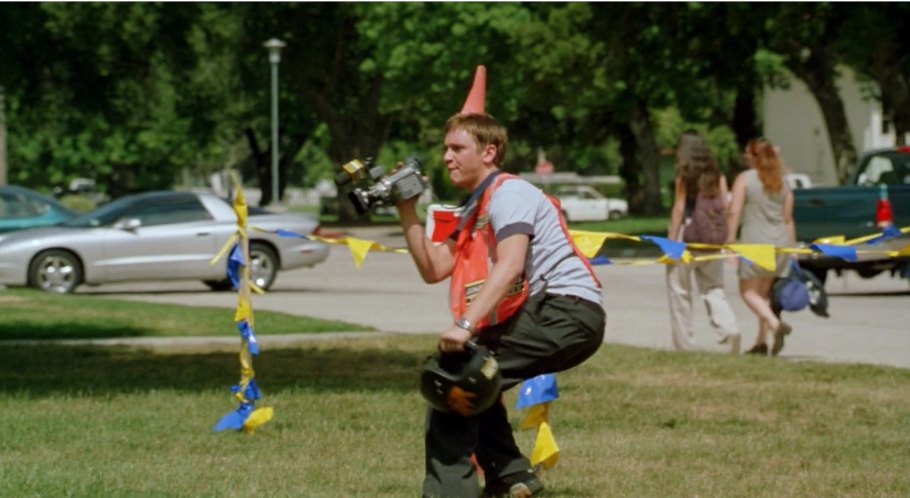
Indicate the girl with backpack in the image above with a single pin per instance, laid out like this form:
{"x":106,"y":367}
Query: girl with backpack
{"x":699,"y":214}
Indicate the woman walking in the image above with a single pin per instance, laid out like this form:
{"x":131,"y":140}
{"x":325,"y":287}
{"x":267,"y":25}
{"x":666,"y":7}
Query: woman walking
{"x":699,"y":215}
{"x":764,"y":203}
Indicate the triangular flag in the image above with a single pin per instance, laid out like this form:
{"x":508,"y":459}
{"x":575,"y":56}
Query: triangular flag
{"x":540,"y":389}
{"x":244,"y":311}
{"x":847,"y":253}
{"x":537,"y":414}
{"x":589,"y":243}
{"x":239,"y":206}
{"x":762,"y":255}
{"x":474,"y":104}
{"x":234,"y":419}
{"x":671,"y":248}
{"x":257,"y":418}
{"x":545,"y":453}
{"x":359,"y":249}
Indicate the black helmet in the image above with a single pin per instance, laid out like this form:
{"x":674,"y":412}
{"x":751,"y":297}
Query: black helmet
{"x":464,"y":382}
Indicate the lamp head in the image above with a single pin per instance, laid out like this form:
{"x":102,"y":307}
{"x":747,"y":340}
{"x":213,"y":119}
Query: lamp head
{"x":274,"y":45}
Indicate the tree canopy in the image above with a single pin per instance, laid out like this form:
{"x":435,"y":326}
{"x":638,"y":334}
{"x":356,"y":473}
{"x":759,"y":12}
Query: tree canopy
{"x":143,"y":95}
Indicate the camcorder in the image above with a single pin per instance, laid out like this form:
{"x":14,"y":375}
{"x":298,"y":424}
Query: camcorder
{"x":372,"y":186}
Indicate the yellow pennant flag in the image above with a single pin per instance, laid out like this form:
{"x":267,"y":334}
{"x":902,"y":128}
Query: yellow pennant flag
{"x":762,"y":255}
{"x":244,"y":311}
{"x":588,"y":242}
{"x":239,"y":204}
{"x":537,"y":414}
{"x":545,"y":451}
{"x":257,"y":418}
{"x":359,"y":249}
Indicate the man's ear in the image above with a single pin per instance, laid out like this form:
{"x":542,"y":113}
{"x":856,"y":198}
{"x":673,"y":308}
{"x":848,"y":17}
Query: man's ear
{"x":489,"y":153}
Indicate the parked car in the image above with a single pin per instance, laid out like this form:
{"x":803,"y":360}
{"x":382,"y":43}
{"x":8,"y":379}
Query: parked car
{"x":23,"y":208}
{"x":583,"y":203}
{"x":881,"y":178}
{"x":154,"y":236}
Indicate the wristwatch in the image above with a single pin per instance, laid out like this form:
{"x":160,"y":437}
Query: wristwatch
{"x":464,"y":324}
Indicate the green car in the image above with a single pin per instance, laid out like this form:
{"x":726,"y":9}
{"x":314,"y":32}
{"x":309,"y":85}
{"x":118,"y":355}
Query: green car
{"x":22,"y":208}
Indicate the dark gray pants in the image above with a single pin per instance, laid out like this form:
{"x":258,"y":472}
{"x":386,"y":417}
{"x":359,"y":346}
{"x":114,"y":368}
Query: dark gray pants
{"x":548,"y":334}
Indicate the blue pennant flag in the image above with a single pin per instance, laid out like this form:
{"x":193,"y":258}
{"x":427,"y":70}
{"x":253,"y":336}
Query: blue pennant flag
{"x":234,"y":419}
{"x":235,"y":261}
{"x":889,"y":232}
{"x":246,"y":331}
{"x":671,"y":248}
{"x":600,"y":260}
{"x":536,"y":390}
{"x":847,"y":253}
{"x":251,"y":393}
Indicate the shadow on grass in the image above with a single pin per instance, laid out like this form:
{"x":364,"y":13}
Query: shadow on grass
{"x":45,"y":370}
{"x":25,"y":330}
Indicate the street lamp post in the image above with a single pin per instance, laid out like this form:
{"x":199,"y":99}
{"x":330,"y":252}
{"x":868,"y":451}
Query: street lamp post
{"x":274,"y":45}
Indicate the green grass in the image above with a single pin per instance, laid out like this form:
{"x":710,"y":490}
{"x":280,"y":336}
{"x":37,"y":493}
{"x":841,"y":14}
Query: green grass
{"x":114,"y":422}
{"x":30,"y":314}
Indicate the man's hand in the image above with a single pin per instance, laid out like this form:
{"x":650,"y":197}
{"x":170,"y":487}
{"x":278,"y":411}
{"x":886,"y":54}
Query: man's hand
{"x":453,"y":339}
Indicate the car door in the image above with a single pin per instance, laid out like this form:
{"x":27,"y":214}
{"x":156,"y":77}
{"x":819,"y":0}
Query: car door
{"x":162,"y":238}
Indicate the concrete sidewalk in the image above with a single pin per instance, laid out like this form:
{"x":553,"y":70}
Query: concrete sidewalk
{"x":868,"y":324}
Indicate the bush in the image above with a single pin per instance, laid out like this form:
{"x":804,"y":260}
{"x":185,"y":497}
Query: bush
{"x":77,"y":202}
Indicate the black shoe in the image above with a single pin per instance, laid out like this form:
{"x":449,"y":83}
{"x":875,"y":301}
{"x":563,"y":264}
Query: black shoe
{"x":782,"y":330}
{"x":518,"y":485}
{"x":759,"y":349}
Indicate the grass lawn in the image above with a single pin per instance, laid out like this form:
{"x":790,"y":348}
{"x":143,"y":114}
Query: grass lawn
{"x":30,"y":314}
{"x":114,"y":422}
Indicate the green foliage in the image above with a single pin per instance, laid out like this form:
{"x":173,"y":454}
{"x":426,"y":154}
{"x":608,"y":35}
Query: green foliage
{"x":78,"y":203}
{"x":139,"y":95}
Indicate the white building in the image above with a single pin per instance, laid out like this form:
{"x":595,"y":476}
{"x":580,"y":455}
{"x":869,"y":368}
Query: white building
{"x":793,"y":121}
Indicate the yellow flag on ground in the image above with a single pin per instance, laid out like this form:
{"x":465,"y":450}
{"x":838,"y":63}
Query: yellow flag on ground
{"x":546,"y":453}
{"x":762,"y":255}
{"x":257,"y":418}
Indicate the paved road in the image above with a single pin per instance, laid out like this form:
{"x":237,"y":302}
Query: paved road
{"x":870,"y":319}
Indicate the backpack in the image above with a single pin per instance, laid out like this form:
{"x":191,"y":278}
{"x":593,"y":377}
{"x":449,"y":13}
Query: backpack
{"x":708,"y":223}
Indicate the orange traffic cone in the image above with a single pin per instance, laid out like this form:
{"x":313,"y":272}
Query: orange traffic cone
{"x":478,"y":94}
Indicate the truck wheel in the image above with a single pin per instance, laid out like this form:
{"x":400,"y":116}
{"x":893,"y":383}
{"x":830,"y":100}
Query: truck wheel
{"x":565,"y":215}
{"x":55,"y":270}
{"x":615,"y":214}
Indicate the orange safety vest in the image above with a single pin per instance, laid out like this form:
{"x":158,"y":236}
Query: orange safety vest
{"x":475,"y":254}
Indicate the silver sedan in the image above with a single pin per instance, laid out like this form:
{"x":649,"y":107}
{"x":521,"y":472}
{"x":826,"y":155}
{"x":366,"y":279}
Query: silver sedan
{"x":155,"y":236}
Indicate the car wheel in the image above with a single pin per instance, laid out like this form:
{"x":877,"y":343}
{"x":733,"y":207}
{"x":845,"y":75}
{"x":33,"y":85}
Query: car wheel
{"x":615,"y":215}
{"x":263,"y":264}
{"x":565,"y":215}
{"x":219,"y":285}
{"x":55,"y":270}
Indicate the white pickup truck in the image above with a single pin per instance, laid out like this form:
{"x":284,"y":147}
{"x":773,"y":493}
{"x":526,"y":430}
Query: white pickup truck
{"x":583,"y":203}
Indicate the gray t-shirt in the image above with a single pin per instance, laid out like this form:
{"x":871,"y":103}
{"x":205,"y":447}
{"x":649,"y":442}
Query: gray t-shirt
{"x":517,"y":207}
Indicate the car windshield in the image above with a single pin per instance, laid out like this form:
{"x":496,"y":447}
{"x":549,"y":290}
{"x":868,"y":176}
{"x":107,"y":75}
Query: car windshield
{"x":104,"y":215}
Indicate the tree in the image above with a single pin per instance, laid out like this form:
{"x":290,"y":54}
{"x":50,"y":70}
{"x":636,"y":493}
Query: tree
{"x":872,"y":41}
{"x":805,"y":35}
